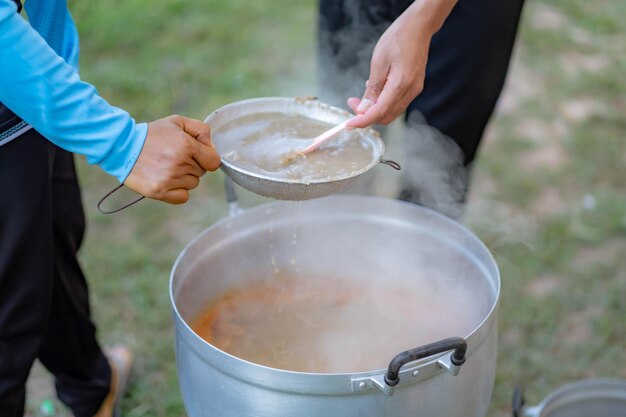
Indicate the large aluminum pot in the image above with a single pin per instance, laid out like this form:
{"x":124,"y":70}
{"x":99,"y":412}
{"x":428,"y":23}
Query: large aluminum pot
{"x":366,"y":235}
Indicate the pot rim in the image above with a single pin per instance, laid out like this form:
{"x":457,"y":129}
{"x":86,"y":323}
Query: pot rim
{"x":198,"y":341}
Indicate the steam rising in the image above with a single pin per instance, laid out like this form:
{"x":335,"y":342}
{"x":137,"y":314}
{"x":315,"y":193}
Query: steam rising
{"x":433,"y":172}
{"x":397,"y":280}
{"x":333,"y":289}
{"x":344,"y":54}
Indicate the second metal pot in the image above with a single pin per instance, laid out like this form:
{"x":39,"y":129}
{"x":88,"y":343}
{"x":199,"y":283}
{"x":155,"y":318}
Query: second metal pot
{"x":600,"y":397}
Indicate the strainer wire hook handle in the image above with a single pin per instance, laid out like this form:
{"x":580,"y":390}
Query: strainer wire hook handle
{"x":107,"y":195}
{"x":392,"y":164}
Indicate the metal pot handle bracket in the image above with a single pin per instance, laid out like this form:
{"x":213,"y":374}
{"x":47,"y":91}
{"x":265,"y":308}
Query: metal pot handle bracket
{"x":457,"y":346}
{"x":231,"y":197}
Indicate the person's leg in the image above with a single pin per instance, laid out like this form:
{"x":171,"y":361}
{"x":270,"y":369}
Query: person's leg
{"x":25,"y":262}
{"x":70,"y":349}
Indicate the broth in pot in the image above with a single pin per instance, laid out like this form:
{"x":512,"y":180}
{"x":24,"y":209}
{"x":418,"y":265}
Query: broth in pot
{"x":308,"y":323}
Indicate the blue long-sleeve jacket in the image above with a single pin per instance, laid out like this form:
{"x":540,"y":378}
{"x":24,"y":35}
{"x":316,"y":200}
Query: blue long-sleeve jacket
{"x":45,"y":90}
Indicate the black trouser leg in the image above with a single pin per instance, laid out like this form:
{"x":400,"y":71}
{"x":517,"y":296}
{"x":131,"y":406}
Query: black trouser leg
{"x":25,"y":262}
{"x":44,"y":307}
{"x":70,"y":349}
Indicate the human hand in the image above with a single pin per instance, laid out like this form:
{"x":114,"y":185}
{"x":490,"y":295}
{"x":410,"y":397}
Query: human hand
{"x":177,"y":152}
{"x":398,"y":65}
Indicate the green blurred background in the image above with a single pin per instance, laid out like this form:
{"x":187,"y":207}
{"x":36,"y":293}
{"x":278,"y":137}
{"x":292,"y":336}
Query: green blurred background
{"x":548,"y":194}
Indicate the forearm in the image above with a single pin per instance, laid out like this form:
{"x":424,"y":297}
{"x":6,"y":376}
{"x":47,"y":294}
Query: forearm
{"x":429,"y":15}
{"x":398,"y":65}
{"x":45,"y":91}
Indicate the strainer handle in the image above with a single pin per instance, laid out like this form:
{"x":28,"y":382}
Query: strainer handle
{"x":392,"y":164}
{"x":107,"y":195}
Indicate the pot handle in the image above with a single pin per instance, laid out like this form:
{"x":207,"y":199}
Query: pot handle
{"x":458,"y":344}
{"x":518,"y":402}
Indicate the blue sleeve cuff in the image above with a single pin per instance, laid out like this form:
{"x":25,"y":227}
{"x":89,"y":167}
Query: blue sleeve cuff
{"x":122,"y":161}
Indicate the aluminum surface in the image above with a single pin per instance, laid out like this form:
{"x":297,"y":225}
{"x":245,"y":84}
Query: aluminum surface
{"x":214,"y":383}
{"x":585,"y":398}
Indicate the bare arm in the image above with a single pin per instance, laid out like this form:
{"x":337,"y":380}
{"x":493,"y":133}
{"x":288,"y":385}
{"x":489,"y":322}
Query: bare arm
{"x":398,"y":64}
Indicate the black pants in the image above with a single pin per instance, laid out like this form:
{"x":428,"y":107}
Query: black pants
{"x":467,"y":62}
{"x":44,"y":307}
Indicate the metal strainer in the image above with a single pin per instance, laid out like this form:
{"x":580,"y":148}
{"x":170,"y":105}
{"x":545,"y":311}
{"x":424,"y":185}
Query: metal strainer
{"x":292,"y":189}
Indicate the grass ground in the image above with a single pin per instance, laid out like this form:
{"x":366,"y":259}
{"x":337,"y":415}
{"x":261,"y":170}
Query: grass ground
{"x":548,"y":194}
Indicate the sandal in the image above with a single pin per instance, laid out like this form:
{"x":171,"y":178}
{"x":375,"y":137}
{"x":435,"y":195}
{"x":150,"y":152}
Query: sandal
{"x":121,"y":359}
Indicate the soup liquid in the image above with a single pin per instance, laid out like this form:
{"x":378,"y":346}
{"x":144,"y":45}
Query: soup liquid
{"x":317,"y":324}
{"x":267,"y":144}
